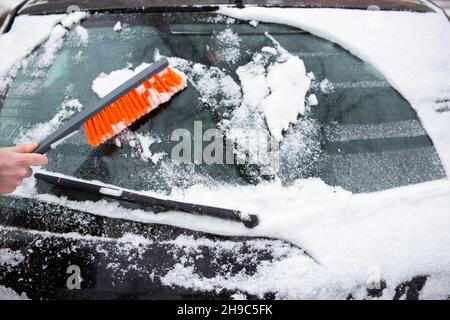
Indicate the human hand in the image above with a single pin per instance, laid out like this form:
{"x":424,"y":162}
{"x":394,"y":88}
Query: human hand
{"x":15,"y":165}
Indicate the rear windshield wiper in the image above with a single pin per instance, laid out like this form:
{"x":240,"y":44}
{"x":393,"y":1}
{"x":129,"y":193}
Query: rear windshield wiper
{"x":117,"y":193}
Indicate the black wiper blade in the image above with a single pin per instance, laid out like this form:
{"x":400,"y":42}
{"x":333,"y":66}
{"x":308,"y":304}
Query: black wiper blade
{"x":117,"y":193}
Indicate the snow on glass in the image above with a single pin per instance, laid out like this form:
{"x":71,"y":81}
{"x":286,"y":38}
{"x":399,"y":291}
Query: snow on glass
{"x":350,"y":235}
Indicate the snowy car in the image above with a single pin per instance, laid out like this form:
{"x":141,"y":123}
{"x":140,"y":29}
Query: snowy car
{"x":334,"y":116}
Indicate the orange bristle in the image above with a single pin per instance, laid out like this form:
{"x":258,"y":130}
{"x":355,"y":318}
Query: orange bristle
{"x":133,"y":105}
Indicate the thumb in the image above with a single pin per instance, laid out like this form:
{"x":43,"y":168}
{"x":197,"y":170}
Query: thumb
{"x":25,"y":148}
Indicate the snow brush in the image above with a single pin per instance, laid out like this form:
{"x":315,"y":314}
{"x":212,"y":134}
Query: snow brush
{"x":124,"y":105}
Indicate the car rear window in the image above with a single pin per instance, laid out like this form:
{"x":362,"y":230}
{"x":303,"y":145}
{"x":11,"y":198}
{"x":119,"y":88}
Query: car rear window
{"x":362,"y":135}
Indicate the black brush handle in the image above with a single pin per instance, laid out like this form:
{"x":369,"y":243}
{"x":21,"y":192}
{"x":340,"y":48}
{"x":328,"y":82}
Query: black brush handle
{"x":250,"y":221}
{"x":74,"y":124}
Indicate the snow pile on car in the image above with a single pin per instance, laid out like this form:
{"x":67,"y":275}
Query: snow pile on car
{"x":275,"y":84}
{"x":288,"y":85}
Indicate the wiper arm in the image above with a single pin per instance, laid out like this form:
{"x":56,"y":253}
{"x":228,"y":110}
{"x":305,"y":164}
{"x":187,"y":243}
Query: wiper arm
{"x":117,"y":193}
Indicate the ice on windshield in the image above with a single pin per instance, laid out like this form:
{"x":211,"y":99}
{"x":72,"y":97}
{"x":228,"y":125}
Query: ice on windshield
{"x":275,"y":90}
{"x":228,"y":44}
{"x":274,"y":87}
{"x":41,"y":130}
{"x":405,"y":56}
